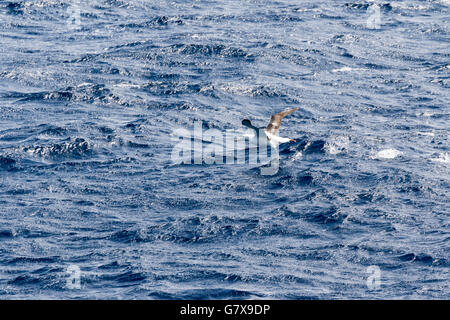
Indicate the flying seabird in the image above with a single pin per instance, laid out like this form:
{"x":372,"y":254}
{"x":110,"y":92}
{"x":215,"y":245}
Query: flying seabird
{"x":273,"y":126}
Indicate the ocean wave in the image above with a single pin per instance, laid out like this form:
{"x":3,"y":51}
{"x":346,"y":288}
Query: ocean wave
{"x":77,"y":147}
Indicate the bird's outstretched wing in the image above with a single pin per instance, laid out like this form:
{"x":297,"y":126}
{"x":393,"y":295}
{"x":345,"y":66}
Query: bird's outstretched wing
{"x":275,"y":121}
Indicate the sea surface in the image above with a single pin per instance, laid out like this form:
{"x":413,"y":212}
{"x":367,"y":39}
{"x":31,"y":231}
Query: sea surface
{"x":92,"y":205}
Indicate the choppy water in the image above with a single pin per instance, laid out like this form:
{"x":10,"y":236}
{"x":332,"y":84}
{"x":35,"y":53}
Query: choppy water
{"x":88,"y":104}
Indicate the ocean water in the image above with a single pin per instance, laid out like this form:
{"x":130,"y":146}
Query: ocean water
{"x":92,"y":205}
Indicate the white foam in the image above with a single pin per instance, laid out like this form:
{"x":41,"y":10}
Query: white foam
{"x":343,"y":69}
{"x":443,"y":158}
{"x":297,"y":155}
{"x":425,"y":114}
{"x":430,"y":134}
{"x":337,"y":145}
{"x":388,"y":154}
{"x":128,"y":85}
{"x":331,"y":149}
{"x":401,"y":5}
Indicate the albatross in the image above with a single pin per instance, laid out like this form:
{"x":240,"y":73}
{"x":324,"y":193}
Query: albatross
{"x":272,"y":128}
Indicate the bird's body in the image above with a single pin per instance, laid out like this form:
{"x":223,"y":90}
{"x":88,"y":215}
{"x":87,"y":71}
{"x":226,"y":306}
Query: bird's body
{"x":271,"y":131}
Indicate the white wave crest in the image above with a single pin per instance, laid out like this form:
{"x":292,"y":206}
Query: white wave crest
{"x":388,"y":154}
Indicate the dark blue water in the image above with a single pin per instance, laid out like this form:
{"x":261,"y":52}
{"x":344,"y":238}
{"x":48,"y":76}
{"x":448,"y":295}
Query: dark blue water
{"x":88,"y":104}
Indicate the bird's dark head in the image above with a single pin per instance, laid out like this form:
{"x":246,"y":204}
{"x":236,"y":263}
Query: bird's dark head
{"x":247,"y":123}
